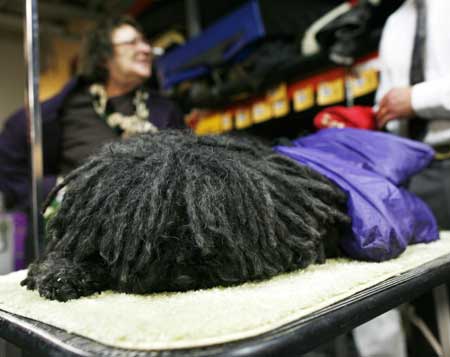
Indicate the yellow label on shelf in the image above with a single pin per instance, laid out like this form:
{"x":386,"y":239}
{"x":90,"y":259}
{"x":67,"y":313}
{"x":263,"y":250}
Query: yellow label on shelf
{"x":330,"y":92}
{"x":280,"y":108}
{"x":278,"y":98}
{"x":227,"y":121}
{"x":209,"y":125}
{"x":243,"y":118}
{"x":365,"y":83}
{"x":277,"y":93}
{"x":261,"y":111}
{"x":303,"y":98}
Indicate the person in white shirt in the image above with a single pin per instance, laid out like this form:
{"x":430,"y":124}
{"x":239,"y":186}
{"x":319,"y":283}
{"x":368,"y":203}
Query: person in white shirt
{"x":430,"y":99}
{"x":400,"y":103}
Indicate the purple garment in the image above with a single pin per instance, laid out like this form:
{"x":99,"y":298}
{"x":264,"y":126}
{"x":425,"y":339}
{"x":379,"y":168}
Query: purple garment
{"x":20,"y":233}
{"x":15,"y":151}
{"x":369,"y":166}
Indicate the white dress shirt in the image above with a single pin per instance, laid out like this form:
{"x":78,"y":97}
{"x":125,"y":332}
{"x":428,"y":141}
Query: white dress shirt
{"x":430,"y":99}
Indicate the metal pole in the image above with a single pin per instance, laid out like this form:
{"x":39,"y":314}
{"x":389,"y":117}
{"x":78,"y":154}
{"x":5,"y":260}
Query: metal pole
{"x":192,"y":14}
{"x":31,"y":42}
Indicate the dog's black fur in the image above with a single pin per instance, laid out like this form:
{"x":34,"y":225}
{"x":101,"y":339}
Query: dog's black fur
{"x":173,"y":212}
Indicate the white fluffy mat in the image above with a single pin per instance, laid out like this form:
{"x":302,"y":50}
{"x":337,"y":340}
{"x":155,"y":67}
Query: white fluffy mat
{"x":197,"y":318}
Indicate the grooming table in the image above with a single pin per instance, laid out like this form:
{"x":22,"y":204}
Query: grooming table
{"x":287,"y":315}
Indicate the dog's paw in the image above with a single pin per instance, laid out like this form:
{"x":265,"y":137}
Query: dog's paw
{"x":29,"y":283}
{"x":59,"y":287}
{"x":62,"y":279}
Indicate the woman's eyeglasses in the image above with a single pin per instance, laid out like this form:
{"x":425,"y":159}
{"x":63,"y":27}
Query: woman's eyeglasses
{"x":133,"y":42}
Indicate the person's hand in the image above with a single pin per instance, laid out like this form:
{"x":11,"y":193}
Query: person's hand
{"x":396,"y":104}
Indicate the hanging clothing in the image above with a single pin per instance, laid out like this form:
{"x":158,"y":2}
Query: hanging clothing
{"x":371,"y":168}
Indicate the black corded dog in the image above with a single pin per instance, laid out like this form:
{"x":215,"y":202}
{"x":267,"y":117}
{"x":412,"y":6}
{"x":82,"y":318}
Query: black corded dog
{"x":172,"y":212}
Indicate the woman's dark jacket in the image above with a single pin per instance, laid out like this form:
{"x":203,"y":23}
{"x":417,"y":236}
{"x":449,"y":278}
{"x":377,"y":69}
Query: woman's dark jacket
{"x":15,"y":144}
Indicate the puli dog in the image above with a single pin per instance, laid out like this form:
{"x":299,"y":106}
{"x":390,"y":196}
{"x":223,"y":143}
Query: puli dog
{"x":173,"y":211}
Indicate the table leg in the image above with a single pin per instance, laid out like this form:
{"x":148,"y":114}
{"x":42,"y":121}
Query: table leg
{"x":441,"y":302}
{"x":9,"y":350}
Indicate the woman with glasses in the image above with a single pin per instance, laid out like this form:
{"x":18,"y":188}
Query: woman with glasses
{"x":109,"y":100}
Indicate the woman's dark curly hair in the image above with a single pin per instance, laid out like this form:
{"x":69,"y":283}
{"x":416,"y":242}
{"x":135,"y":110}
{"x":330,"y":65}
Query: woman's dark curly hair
{"x":97,"y":48}
{"x":172,"y":211}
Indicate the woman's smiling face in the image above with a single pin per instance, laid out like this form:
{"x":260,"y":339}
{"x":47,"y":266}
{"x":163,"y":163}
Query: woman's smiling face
{"x":131,"y":59}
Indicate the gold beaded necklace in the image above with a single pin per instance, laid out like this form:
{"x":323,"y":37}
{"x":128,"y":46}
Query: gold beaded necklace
{"x":126,"y":125}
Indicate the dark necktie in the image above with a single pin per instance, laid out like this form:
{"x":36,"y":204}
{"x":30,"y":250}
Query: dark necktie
{"x":418,"y":126}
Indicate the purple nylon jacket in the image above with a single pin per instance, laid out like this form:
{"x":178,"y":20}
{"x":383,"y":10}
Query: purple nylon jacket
{"x":371,"y":168}
{"x":15,"y":148}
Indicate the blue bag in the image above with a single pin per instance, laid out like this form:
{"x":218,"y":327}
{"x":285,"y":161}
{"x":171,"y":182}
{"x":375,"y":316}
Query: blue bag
{"x":369,"y":166}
